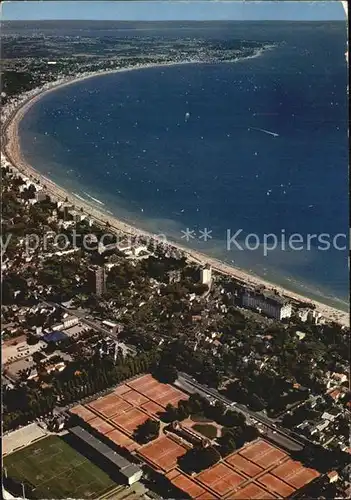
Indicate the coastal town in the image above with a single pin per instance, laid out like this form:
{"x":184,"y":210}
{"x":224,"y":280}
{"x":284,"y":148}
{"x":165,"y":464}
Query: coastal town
{"x":139,"y":369}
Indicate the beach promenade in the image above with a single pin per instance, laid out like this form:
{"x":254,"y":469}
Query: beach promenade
{"x":12,"y":152}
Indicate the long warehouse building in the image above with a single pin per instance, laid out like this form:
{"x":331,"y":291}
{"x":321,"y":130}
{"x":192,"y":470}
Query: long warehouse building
{"x":130,"y":471}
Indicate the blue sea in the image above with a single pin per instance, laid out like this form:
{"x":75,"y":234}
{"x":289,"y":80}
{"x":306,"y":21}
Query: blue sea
{"x":186,"y":148}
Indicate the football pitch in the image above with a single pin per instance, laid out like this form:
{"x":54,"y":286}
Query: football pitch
{"x":56,"y":470}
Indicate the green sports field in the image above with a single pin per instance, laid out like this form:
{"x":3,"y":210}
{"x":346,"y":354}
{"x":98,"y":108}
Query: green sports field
{"x":56,"y":470}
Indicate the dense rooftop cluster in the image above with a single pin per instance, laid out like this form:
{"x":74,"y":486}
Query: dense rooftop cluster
{"x":51,"y":57}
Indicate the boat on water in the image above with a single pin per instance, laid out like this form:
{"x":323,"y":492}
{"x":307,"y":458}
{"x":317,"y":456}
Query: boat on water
{"x":274,"y":134}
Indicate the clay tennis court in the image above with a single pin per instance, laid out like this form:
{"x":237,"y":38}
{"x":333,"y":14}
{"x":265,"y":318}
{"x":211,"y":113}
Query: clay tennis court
{"x":172,"y":474}
{"x":162,"y":394}
{"x":163,"y":452}
{"x":153,"y":408}
{"x":150,"y":387}
{"x":83,"y":413}
{"x":109,"y":405}
{"x":220,"y":478}
{"x":207,"y":496}
{"x":274,"y":484}
{"x":142,"y":383}
{"x":121,"y":439}
{"x":243,"y":465}
{"x":172,"y":396}
{"x":130,"y":420}
{"x":251,"y":492}
{"x":134,"y":398}
{"x":100,"y":425}
{"x":295,"y":474}
{"x":121,"y":389}
{"x":188,"y":486}
{"x":262,"y":453}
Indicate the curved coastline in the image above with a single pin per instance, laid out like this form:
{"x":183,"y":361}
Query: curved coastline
{"x":12,"y":152}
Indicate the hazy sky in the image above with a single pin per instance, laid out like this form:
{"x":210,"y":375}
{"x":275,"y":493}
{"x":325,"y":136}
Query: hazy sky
{"x":174,"y":10}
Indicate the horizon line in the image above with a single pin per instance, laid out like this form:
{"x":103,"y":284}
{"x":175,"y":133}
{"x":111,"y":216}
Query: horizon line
{"x":180,"y":10}
{"x":163,"y":21}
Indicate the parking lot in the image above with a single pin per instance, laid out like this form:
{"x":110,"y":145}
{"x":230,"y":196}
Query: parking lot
{"x":16,"y":350}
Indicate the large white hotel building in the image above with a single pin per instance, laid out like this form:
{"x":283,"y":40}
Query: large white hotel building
{"x":267,"y":302}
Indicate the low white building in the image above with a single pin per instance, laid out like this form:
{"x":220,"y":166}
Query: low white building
{"x":333,"y":476}
{"x":315,"y":317}
{"x":70,"y":321}
{"x":40,"y":195}
{"x":320,"y":427}
{"x":55,"y":328}
{"x":339,"y":377}
{"x":110,"y":324}
{"x":77,"y":216}
{"x":303,"y":314}
{"x":329,"y":416}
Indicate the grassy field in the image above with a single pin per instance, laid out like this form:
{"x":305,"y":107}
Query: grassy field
{"x":207,"y":430}
{"x":56,"y":470}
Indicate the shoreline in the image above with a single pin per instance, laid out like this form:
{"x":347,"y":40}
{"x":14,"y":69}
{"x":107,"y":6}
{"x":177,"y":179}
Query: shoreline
{"x":12,"y":153}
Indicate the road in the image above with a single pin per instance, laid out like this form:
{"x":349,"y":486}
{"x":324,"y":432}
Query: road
{"x":271,"y":429}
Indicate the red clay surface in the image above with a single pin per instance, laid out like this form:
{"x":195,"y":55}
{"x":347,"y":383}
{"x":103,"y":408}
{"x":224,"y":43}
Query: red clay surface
{"x":251,"y":492}
{"x":101,"y":425}
{"x":83,"y":413}
{"x":121,"y":389}
{"x":172,"y":396}
{"x":241,"y":464}
{"x":220,"y":478}
{"x":262,"y":453}
{"x":163,"y":452}
{"x":110,"y":405}
{"x":172,"y":474}
{"x":130,"y":420}
{"x":276,"y":485}
{"x":188,"y":486}
{"x":295,"y":474}
{"x":152,"y":408}
{"x":207,"y":496}
{"x":134,"y":398}
{"x":119,"y":438}
{"x":163,"y":394}
{"x":143,"y":384}
{"x":128,"y":406}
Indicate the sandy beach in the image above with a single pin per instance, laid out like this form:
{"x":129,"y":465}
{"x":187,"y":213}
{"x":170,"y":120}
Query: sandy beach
{"x":12,"y":152}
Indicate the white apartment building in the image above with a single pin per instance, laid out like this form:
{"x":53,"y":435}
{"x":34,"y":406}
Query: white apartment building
{"x":269,"y":303}
{"x":206,"y":275}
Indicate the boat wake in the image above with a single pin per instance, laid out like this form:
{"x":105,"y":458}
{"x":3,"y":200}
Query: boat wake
{"x":80,"y":197}
{"x":94,"y":199}
{"x":274,"y":134}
